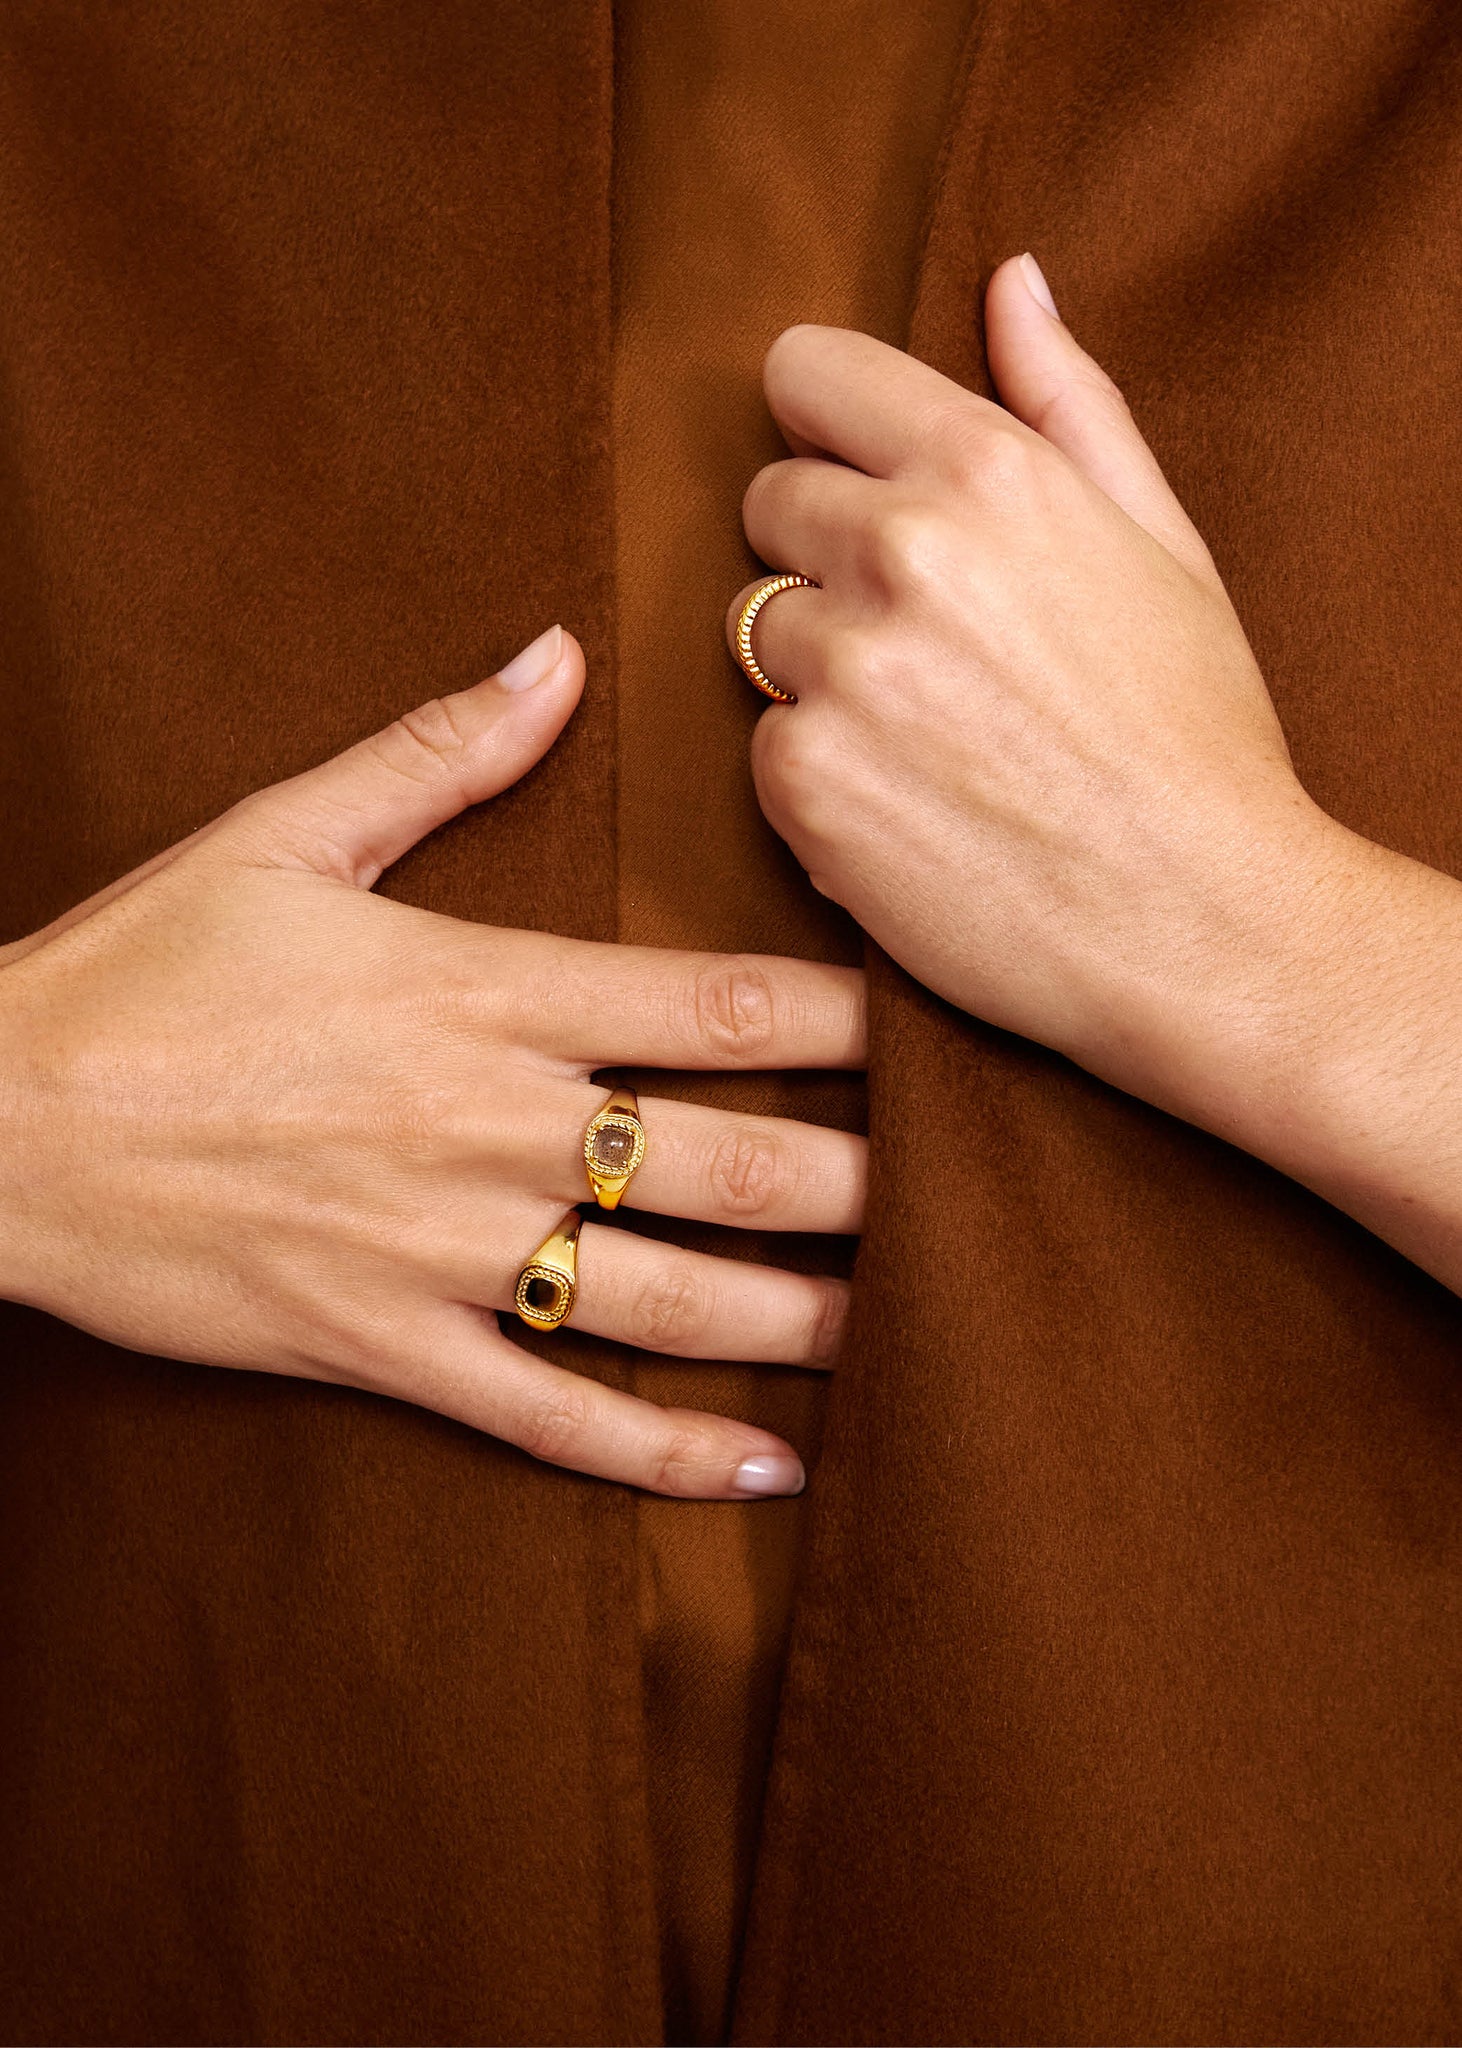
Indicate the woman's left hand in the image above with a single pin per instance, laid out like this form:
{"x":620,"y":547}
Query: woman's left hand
{"x":1032,"y":752}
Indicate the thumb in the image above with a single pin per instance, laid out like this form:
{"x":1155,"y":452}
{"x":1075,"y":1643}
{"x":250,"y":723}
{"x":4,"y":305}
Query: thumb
{"x":1047,"y":379}
{"x":354,"y":815}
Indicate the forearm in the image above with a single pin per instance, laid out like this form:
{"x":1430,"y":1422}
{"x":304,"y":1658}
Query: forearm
{"x":1343,"y":1068}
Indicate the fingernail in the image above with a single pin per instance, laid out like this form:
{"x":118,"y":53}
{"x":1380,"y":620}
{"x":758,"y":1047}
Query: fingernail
{"x":534,"y":663}
{"x":1036,"y":284}
{"x":777,"y":1472}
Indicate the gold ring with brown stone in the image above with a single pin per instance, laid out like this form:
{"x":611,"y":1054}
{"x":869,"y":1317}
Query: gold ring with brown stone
{"x":614,"y":1145}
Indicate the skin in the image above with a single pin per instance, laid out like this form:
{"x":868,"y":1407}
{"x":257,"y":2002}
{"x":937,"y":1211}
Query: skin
{"x":257,"y":1116}
{"x":1034,"y":756}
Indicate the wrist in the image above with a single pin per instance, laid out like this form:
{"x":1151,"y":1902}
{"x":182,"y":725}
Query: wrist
{"x":1260,"y":1016}
{"x":1212,"y":1021}
{"x":24,"y":1152}
{"x":1331,"y":1041}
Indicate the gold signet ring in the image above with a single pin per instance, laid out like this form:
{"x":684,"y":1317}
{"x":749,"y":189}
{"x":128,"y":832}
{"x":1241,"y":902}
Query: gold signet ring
{"x":771,"y":588}
{"x":614,"y":1145}
{"x":548,"y":1283}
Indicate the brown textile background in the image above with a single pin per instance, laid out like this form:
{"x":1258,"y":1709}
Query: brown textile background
{"x":1123,"y":1701}
{"x":745,"y":199}
{"x":321,"y":1715}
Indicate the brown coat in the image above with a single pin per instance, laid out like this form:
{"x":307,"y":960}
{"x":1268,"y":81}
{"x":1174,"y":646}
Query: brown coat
{"x":1123,"y":1696}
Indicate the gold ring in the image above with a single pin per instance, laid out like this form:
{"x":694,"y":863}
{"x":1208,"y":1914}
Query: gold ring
{"x":546,"y":1287}
{"x":771,"y":588}
{"x":614,"y":1145}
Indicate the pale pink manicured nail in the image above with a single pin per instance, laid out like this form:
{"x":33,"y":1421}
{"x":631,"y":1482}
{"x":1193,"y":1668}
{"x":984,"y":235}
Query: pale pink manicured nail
{"x":536,"y":661}
{"x":778,"y":1472}
{"x":1036,"y":284}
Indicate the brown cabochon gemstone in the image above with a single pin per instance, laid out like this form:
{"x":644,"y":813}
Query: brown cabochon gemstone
{"x":613,"y":1148}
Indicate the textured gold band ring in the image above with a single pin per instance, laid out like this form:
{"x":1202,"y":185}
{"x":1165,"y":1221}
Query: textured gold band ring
{"x":771,"y":588}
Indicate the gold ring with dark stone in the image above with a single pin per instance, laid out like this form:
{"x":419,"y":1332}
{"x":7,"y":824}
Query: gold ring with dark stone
{"x":544,"y":1295}
{"x":614,"y":1145}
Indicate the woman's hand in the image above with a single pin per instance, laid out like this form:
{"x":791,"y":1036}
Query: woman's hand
{"x":1034,"y":756}
{"x":1032,"y":752}
{"x":253,"y":1115}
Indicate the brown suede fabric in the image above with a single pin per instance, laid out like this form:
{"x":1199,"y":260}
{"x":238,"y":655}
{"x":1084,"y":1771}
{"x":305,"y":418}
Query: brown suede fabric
{"x":321,"y":1719}
{"x":745,"y":199}
{"x":1122,"y":1702}
{"x":1124,"y":1699}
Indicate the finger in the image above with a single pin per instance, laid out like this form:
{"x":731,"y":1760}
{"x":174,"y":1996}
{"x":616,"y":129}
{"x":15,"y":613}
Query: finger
{"x":354,"y":815}
{"x":471,"y":1371}
{"x":594,"y":1005}
{"x":810,"y":517}
{"x":771,"y":1173}
{"x":1048,"y":381}
{"x":689,"y":1305}
{"x":866,"y":403}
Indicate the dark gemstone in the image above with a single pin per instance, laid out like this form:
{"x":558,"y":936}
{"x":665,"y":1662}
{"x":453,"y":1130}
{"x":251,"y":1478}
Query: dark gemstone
{"x":544,"y":1295}
{"x":614,"y":1147}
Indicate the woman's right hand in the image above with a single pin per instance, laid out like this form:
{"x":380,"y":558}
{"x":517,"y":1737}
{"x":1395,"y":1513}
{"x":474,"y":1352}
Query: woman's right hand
{"x":253,"y":1115}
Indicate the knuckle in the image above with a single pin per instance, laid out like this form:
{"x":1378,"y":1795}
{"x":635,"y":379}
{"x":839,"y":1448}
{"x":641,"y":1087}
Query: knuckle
{"x":772,"y":775}
{"x":827,"y":1320}
{"x":790,"y":753}
{"x":734,"y":1010}
{"x":671,"y":1313}
{"x":760,"y":495}
{"x":794,"y":355}
{"x":908,"y":548}
{"x":990,"y":455}
{"x":258,"y":827}
{"x":554,"y":1429}
{"x":250,"y":810}
{"x":1093,"y":377}
{"x":804,"y":778}
{"x":1074,"y":401}
{"x":751,"y":1173}
{"x":427,"y":741}
{"x":774,"y":763}
{"x":677,"y":1463}
{"x":1106,"y":385}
